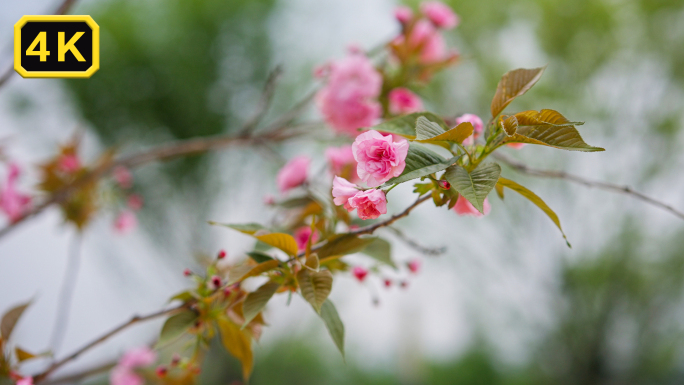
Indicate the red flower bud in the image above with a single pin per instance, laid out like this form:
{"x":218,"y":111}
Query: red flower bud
{"x":175,"y":359}
{"x":221,"y":254}
{"x":360,"y":273}
{"x":215,"y":282}
{"x":444,"y":184}
{"x":187,"y":272}
{"x":161,"y":371}
{"x":387,"y":282}
{"x":404,"y":284}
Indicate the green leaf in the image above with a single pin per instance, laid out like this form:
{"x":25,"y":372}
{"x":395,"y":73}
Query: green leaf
{"x":176,"y":325}
{"x":315,"y":286}
{"x":427,"y":131}
{"x":532,"y":197}
{"x":334,"y":324}
{"x":420,"y":162}
{"x":237,"y":343}
{"x":282,"y":241}
{"x":254,"y":271}
{"x":342,"y":244}
{"x":183,"y":296}
{"x":10,"y":319}
{"x":312,"y":262}
{"x":259,"y":257}
{"x":548,"y":128}
{"x":513,"y":84}
{"x":247,"y":228}
{"x":476,"y":185}
{"x":406,"y":125}
{"x":380,"y":250}
{"x":256,"y":301}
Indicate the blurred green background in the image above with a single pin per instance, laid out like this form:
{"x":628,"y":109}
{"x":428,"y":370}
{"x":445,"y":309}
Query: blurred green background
{"x":176,"y":69}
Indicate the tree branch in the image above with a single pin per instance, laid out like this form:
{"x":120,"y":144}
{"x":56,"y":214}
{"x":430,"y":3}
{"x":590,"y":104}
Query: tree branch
{"x":523,"y":168}
{"x":431,"y":251}
{"x":136,"y":319}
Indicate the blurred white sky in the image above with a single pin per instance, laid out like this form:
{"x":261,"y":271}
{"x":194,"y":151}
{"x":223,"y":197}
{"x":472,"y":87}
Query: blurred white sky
{"x":498,"y":275}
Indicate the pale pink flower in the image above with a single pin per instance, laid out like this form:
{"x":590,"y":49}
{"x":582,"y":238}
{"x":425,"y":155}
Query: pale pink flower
{"x":13,"y":203}
{"x":348,"y":101}
{"x":439,"y":14}
{"x":302,"y":235}
{"x":341,"y":159}
{"x":429,"y":41}
{"x":477,"y":127}
{"x":379,"y":158}
{"x":414,"y":265}
{"x":360,"y":273}
{"x":135,"y":202}
{"x":123,"y":177}
{"x":269,"y":200}
{"x":125,"y":222}
{"x":69,"y":163}
{"x":464,"y":207}
{"x":369,"y":204}
{"x":403,"y":14}
{"x":343,"y":190}
{"x":293,"y":174}
{"x":25,"y":381}
{"x":403,"y":101}
{"x":123,"y":373}
{"x":517,"y":146}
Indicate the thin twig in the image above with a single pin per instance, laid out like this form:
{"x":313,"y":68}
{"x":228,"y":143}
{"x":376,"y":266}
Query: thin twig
{"x":78,"y":377}
{"x":523,"y":168}
{"x":66,"y":294}
{"x":136,"y":319}
{"x":431,"y":251}
{"x":265,"y":101}
{"x":63,"y":8}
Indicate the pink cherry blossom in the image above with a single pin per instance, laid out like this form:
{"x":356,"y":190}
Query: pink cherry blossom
{"x":348,"y":101}
{"x":123,"y":373}
{"x":439,"y":14}
{"x":125,"y":222}
{"x":403,"y":101}
{"x":135,"y":202}
{"x":13,"y":203}
{"x":302,"y":235}
{"x":269,"y":200}
{"x":293,"y":174}
{"x":414,"y":265}
{"x":342,"y":160}
{"x":123,"y":177}
{"x":25,"y":381}
{"x":69,"y":163}
{"x":429,"y":42}
{"x":379,"y":158}
{"x":463,"y":207}
{"x":343,"y":190}
{"x":369,"y":204}
{"x":360,"y":273}
{"x":517,"y":146}
{"x":403,"y":14}
{"x":477,"y":127}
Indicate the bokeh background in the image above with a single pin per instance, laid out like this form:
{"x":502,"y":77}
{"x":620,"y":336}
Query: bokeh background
{"x":508,"y":303}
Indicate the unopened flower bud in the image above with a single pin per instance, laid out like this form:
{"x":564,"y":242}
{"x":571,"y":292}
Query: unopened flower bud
{"x":221,"y":254}
{"x":444,"y":184}
{"x":404,"y":284}
{"x":175,"y":360}
{"x":387,"y":282}
{"x":360,"y":273}
{"x":161,"y":371}
{"x":215,"y":282}
{"x":414,"y":265}
{"x":187,"y":272}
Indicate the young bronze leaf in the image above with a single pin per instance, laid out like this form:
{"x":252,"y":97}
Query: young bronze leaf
{"x":509,"y":124}
{"x":256,"y":301}
{"x":513,"y":84}
{"x":312,"y":262}
{"x":334,"y":324}
{"x":315,"y":286}
{"x":499,"y":190}
{"x":420,"y":162}
{"x":246,"y":228}
{"x":237,"y":343}
{"x":10,"y":319}
{"x":282,"y":241}
{"x":258,"y":269}
{"x":476,"y":185}
{"x":176,"y":325}
{"x":406,"y":125}
{"x":545,"y":116}
{"x":23,"y":355}
{"x":562,"y":137}
{"x":427,"y":131}
{"x":342,"y":244}
{"x":532,"y":197}
{"x":380,"y":250}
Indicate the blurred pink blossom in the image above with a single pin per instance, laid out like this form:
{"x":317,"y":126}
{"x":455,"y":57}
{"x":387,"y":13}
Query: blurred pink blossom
{"x":369,"y":204}
{"x":348,"y":101}
{"x":360,"y":273}
{"x":125,"y":222}
{"x":463,"y":207}
{"x":477,"y":127}
{"x":403,"y":101}
{"x":517,"y":146}
{"x":302,"y":235}
{"x":12,"y":202}
{"x":414,"y":265}
{"x":69,"y":163}
{"x":25,"y":381}
{"x":341,"y":159}
{"x":403,"y":14}
{"x":123,"y":177}
{"x":439,"y":14}
{"x":293,"y":174}
{"x":135,"y":202}
{"x":379,"y":158}
{"x":123,"y":373}
{"x":429,"y":41}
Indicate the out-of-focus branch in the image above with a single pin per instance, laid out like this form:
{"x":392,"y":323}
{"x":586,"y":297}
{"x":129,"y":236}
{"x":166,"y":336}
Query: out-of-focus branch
{"x":136,"y":319}
{"x":523,"y":168}
{"x":78,"y":377}
{"x":431,"y":251}
{"x":265,"y":101}
{"x":63,"y":8}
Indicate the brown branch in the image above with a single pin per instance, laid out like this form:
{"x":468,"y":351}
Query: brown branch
{"x":136,"y":319}
{"x":78,"y":377}
{"x":61,"y":10}
{"x":523,"y":168}
{"x":431,"y":251}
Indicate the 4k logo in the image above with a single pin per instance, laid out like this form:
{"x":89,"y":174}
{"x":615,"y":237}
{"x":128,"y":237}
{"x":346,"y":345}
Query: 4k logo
{"x":56,"y":46}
